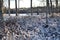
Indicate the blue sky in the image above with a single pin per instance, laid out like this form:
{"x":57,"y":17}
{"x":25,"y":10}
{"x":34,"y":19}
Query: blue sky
{"x":26,"y":3}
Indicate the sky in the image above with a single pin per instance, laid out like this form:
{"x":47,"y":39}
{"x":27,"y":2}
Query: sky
{"x":25,"y":3}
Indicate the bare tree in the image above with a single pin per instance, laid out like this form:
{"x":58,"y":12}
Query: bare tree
{"x":16,"y":6}
{"x":51,"y":7}
{"x":1,"y":18}
{"x":9,"y":6}
{"x":1,"y":4}
{"x":31,"y":7}
{"x":47,"y":7}
{"x":56,"y":3}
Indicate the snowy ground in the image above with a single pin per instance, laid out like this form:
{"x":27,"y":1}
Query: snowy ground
{"x":33,"y":27}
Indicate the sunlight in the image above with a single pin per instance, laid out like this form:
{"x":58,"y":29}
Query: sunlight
{"x":26,"y":3}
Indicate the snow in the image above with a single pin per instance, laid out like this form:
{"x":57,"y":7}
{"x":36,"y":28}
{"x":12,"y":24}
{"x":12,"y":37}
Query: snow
{"x":32,"y":27}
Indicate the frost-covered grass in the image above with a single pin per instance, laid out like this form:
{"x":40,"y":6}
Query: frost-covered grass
{"x":33,"y":27}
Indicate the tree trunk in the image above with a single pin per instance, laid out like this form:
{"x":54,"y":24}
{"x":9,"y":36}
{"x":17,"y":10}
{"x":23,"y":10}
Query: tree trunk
{"x":31,"y":7}
{"x":47,"y":8}
{"x":57,"y":5}
{"x":51,"y":8}
{"x":1,"y":17}
{"x":9,"y":6}
{"x":16,"y":7}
